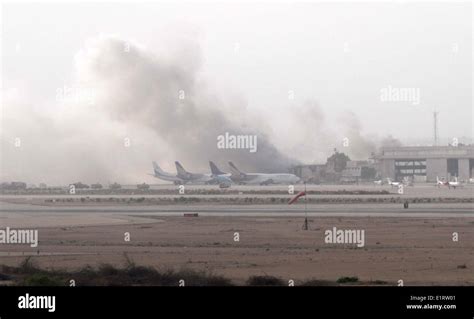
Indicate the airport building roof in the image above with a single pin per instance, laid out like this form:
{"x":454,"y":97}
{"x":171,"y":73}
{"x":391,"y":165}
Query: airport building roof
{"x":423,"y":152}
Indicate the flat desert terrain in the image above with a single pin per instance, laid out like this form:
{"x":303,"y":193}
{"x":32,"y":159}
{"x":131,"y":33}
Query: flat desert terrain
{"x":418,"y":250}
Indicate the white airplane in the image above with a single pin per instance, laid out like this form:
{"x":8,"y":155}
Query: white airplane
{"x":393,"y":184}
{"x":440,"y":182}
{"x":215,"y":171}
{"x":221,"y":177}
{"x":260,"y":178}
{"x":159,"y":173}
{"x":453,"y":184}
{"x":187,"y":177}
{"x":379,"y":182}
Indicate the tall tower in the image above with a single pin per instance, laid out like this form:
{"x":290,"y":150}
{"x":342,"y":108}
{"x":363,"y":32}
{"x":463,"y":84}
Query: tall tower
{"x":435,"y":118}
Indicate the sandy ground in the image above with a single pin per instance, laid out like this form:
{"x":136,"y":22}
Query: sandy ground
{"x":414,"y":245}
{"x":420,"y":251}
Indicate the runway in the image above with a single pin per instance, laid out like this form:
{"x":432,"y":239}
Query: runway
{"x":354,"y":210}
{"x":400,"y":243}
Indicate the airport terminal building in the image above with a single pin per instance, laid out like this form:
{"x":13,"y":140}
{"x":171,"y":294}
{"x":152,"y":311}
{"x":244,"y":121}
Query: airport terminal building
{"x":424,"y":163}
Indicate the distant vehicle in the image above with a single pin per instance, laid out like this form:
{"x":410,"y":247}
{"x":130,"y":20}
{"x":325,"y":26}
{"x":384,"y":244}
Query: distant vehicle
{"x":115,"y":186}
{"x":159,"y":173}
{"x":143,"y":186}
{"x":80,"y":185}
{"x":224,"y":183}
{"x":13,"y":186}
{"x":379,"y":182}
{"x":96,"y":186}
{"x":261,"y":178}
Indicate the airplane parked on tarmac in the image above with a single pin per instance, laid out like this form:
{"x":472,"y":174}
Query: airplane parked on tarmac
{"x":196,"y":178}
{"x":439,"y":182}
{"x":393,"y":184}
{"x":454,"y":184}
{"x":448,"y":183}
{"x":261,"y":178}
{"x":216,"y":171}
{"x":159,"y":173}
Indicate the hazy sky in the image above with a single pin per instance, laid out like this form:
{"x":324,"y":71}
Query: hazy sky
{"x":271,"y":58}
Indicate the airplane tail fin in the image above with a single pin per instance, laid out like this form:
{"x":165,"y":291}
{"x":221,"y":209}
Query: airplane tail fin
{"x":180,"y":169}
{"x":234,"y":170}
{"x":157,"y":169}
{"x":214,"y":169}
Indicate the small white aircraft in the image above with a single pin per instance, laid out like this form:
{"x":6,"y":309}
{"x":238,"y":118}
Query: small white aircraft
{"x":393,"y":184}
{"x":439,"y":182}
{"x":454,"y":184}
{"x":379,"y":182}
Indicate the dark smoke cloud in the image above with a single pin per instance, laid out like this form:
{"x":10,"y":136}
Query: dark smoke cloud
{"x":136,"y":96}
{"x":141,"y":89}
